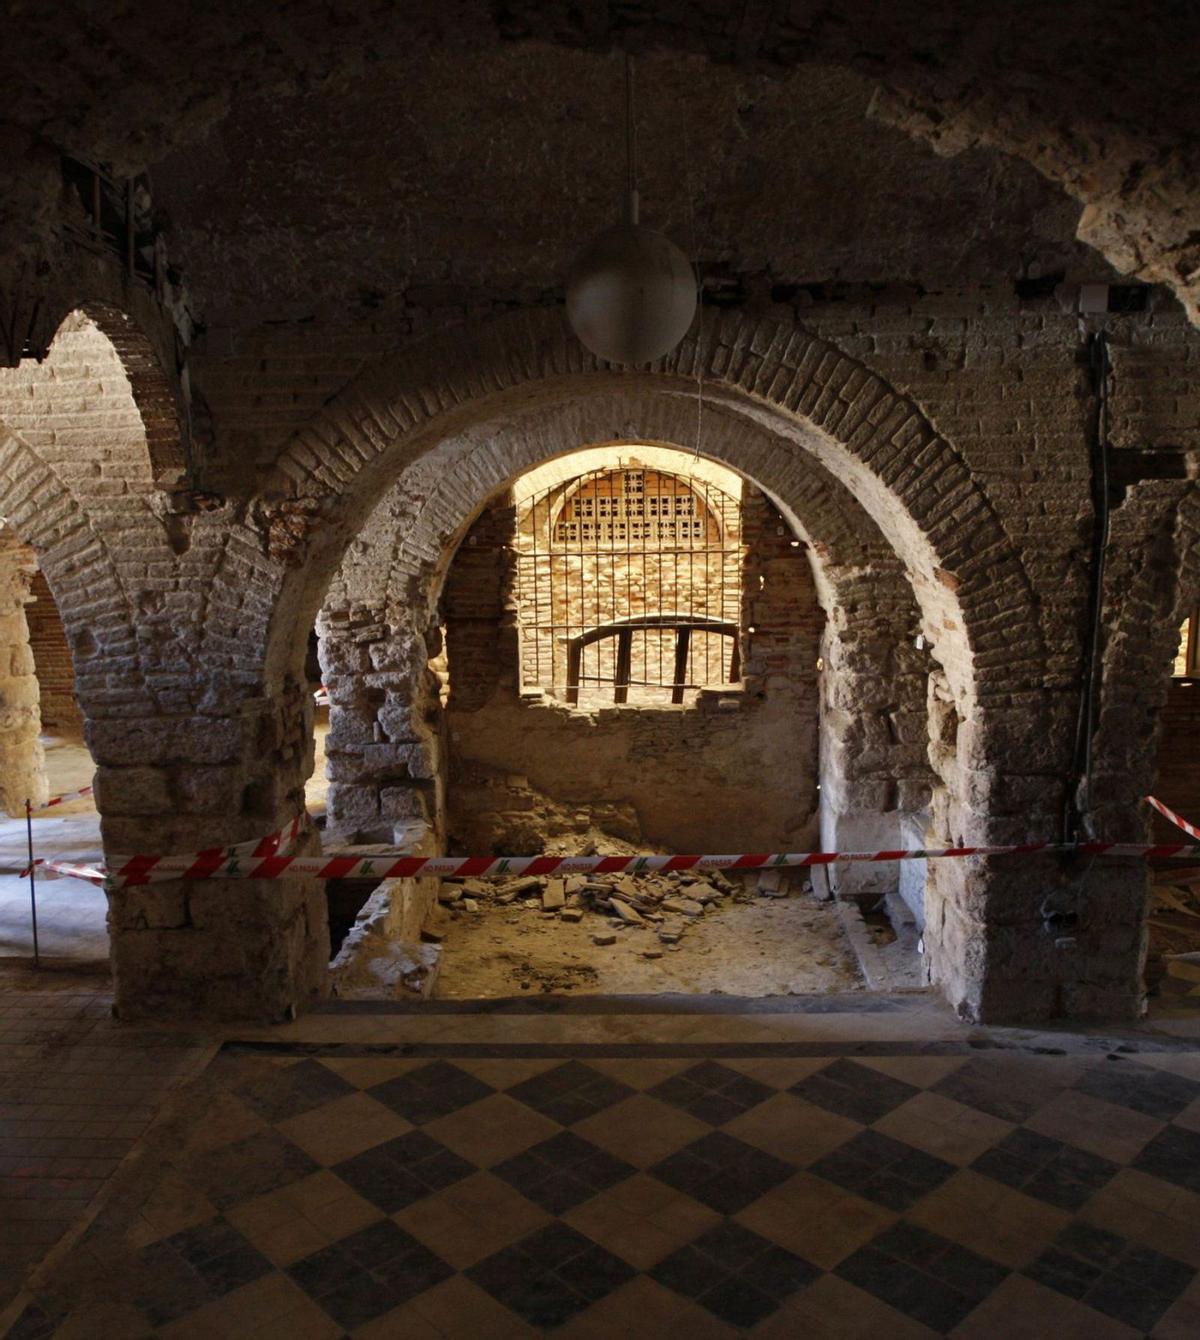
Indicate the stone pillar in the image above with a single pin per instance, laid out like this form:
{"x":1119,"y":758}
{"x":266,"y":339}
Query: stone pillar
{"x":1018,"y":939}
{"x":384,"y":745}
{"x":221,"y":948}
{"x":22,"y":762}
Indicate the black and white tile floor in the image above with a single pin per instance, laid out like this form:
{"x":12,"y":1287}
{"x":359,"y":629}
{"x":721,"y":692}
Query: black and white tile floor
{"x":609,"y":1169}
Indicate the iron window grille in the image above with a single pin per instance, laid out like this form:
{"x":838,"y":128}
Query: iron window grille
{"x":628,"y":587}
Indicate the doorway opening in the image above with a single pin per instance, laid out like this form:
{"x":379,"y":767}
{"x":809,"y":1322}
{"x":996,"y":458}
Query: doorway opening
{"x":626,"y":654}
{"x":46,"y":758}
{"x":1173,"y":948}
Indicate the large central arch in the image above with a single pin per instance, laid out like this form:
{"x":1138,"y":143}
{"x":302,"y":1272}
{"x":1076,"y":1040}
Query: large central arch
{"x":390,"y":580}
{"x":816,"y":406}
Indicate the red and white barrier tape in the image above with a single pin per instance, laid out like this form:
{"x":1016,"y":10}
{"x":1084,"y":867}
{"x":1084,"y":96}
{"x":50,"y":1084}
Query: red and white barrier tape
{"x":133,"y":869}
{"x":395,"y":866}
{"x":1177,"y":819}
{"x":63,"y":799}
{"x":249,"y":860}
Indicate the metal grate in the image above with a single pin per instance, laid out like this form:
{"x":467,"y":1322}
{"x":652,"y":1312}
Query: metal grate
{"x":629,"y":587}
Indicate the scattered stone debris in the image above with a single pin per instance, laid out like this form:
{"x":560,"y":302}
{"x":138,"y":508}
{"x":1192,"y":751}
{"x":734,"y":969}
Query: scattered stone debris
{"x":666,"y":905}
{"x":1173,"y":957}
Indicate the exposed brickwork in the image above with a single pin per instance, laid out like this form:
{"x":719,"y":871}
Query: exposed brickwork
{"x":52,"y":661}
{"x":714,"y":773}
{"x":476,"y":606}
{"x":935,"y":450}
{"x":1178,"y":782}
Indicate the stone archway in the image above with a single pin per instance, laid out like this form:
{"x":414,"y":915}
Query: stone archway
{"x":816,"y":404}
{"x":383,"y":602}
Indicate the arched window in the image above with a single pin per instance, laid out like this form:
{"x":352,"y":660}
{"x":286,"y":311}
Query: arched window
{"x":629,"y":587}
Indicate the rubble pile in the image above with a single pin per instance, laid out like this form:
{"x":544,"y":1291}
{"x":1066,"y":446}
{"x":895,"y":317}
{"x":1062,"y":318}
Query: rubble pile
{"x":653,"y":912}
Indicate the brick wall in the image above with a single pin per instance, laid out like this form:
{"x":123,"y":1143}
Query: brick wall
{"x":728,"y":772}
{"x":1178,"y":782}
{"x":474,"y":600}
{"x":52,"y":658}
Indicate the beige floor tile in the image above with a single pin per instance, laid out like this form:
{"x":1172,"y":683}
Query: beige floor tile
{"x":504,"y":1074}
{"x":945,"y":1128}
{"x":285,"y":1244}
{"x":113,"y":1321}
{"x":641,"y":1130}
{"x":298,"y":1219}
{"x":471,"y":1220}
{"x":314,"y":1195}
{"x":639,"y":1073}
{"x":491,"y":1130}
{"x":1190,"y":1116}
{"x":990,"y":1219}
{"x":272,"y":1306}
{"x":1105,"y":1129}
{"x":367,"y":1071}
{"x":226,"y":1119}
{"x":1021,"y":1309}
{"x":402,"y":1323}
{"x":460,"y":1310}
{"x":1181,"y":1321}
{"x":832,"y":1309}
{"x":792,"y":1128}
{"x":343,"y":1128}
{"x":263,"y":1213}
{"x":641,"y":1220}
{"x":923,"y":1071}
{"x":780,"y":1072}
{"x":1155,"y":1194}
{"x":642,"y":1195}
{"x":644,"y":1310}
{"x":1174,"y":1232}
{"x":816,"y":1220}
{"x":1178,"y":1063}
{"x":174,"y":1205}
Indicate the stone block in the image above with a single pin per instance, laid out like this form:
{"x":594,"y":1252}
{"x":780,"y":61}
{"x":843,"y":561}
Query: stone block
{"x":133,"y":791}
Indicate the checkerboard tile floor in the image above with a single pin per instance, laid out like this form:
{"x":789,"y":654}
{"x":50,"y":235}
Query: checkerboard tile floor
{"x":340,"y":1189}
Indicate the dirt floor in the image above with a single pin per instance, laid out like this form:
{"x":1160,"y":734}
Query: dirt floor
{"x":1173,"y":959}
{"x":748,"y":944}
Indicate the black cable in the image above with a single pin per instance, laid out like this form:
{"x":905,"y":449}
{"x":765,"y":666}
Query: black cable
{"x":1091,"y":669}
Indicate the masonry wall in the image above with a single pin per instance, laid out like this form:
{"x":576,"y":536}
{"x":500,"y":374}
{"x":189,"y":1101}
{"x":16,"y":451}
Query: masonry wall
{"x":52,"y":659}
{"x":1178,"y":782}
{"x":22,"y":765}
{"x":736,"y":770}
{"x":1003,"y":382}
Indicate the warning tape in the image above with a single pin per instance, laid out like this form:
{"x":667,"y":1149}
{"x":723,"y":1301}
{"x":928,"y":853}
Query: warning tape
{"x":1177,"y":819}
{"x":253,"y":860}
{"x":140,"y":869}
{"x":63,"y":799}
{"x":391,"y":865}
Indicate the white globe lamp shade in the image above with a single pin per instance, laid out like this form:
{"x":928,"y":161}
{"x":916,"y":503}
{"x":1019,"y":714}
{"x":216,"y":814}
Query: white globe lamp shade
{"x":631,"y":295}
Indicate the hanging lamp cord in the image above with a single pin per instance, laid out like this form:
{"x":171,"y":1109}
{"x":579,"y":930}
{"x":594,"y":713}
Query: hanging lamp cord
{"x":630,"y":145}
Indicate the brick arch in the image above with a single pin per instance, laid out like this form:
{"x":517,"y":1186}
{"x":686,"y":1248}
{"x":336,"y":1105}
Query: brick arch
{"x":80,"y":570}
{"x":817,"y":402}
{"x":154,"y":394}
{"x":399,"y":558}
{"x":874,"y":714}
{"x":79,"y":484}
{"x":95,"y":406}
